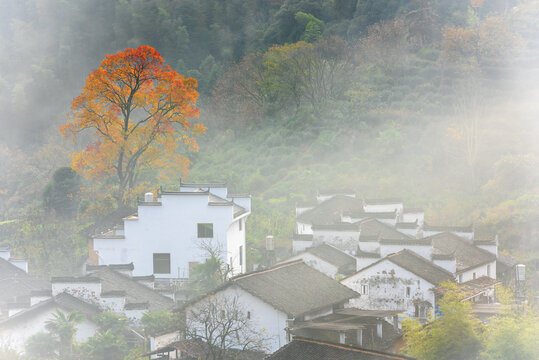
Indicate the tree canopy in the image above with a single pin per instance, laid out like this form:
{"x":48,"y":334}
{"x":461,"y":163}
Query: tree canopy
{"x":140,"y":110}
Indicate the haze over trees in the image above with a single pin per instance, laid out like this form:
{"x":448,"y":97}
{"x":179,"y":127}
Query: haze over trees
{"x":431,"y":101}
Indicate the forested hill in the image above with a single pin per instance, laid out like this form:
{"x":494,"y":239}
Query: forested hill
{"x":428,"y":100}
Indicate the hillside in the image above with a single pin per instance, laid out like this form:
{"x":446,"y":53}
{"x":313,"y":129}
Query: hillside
{"x":430,"y":101}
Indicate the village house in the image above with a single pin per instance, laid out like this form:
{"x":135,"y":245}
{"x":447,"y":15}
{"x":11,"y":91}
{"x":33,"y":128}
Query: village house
{"x":170,"y":230}
{"x":17,"y":285}
{"x":328,"y":260}
{"x":403,"y":282}
{"x":368,"y":329}
{"x":104,"y":289}
{"x":275,"y":298}
{"x":18,"y":328}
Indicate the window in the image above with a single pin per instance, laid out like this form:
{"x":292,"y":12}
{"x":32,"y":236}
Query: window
{"x":408,"y":291}
{"x":474,"y":276}
{"x":241,"y":255}
{"x":205,"y":230}
{"x":364,"y":289}
{"x":161,"y":263}
{"x":248,"y":315}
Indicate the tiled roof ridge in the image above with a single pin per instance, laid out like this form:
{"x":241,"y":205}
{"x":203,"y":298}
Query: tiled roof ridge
{"x":15,"y":268}
{"x":284,"y":265}
{"x":486,"y":252}
{"x":350,"y":348}
{"x":421,"y":258}
{"x":136,"y":283}
{"x":380,"y":201}
{"x":209,"y":184}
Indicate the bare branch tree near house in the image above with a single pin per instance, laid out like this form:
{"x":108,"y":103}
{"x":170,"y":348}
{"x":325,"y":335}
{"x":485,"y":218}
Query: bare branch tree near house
{"x":224,"y":326}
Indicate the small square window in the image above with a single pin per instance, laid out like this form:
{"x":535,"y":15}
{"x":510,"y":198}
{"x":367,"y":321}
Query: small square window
{"x":161,"y":263}
{"x":205,"y":230}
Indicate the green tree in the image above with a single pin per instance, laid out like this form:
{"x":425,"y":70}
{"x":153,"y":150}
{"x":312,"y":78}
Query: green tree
{"x":41,"y":346}
{"x":61,"y":194}
{"x":514,"y":333}
{"x":63,"y":329}
{"x":454,"y":335}
{"x":160,"y":322}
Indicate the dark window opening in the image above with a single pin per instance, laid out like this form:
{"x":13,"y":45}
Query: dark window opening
{"x":161,"y":263}
{"x":408,"y":291}
{"x":241,"y":255}
{"x":205,"y":230}
{"x":248,"y":315}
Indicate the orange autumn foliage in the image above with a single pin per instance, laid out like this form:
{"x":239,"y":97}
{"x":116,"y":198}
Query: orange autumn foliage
{"x":140,"y":110}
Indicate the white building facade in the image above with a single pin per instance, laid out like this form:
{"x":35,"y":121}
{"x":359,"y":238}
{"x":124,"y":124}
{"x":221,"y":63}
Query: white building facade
{"x":167,"y":235}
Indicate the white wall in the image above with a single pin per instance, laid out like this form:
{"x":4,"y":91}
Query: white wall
{"x":316,"y":263}
{"x":369,"y":246}
{"x":303,"y":228}
{"x":300,"y":210}
{"x":18,"y":333}
{"x":413,"y":216}
{"x":300,"y":245}
{"x":479,"y":271}
{"x":171,"y":228}
{"x":271,"y":322}
{"x":422,"y":250}
{"x":89,"y":292}
{"x":236,"y":239}
{"x":387,"y":284}
{"x":383,"y":207}
{"x":449,"y":265}
{"x":493,"y":249}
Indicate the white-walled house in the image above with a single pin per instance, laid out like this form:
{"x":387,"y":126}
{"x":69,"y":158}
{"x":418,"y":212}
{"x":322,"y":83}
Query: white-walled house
{"x":327,"y":259}
{"x":403,"y":282}
{"x":166,"y":235}
{"x":472,"y":262}
{"x":16,"y":285}
{"x":274,"y":298}
{"x":18,"y":328}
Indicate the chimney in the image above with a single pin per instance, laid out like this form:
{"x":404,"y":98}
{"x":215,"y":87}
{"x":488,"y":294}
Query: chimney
{"x":270,"y":244}
{"x":148,"y":197}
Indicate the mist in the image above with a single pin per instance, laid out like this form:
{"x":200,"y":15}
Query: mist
{"x":432,"y":102}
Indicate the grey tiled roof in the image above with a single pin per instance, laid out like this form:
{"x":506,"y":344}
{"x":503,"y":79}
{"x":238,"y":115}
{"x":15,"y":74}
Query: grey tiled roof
{"x":420,"y":266}
{"x":16,"y":283}
{"x":373,"y":227}
{"x":294,"y":288}
{"x":307,"y":349}
{"x":428,"y":227}
{"x":467,"y":255}
{"x":135,"y":292}
{"x":63,"y":301}
{"x":330,"y":210}
{"x":333,"y":255}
